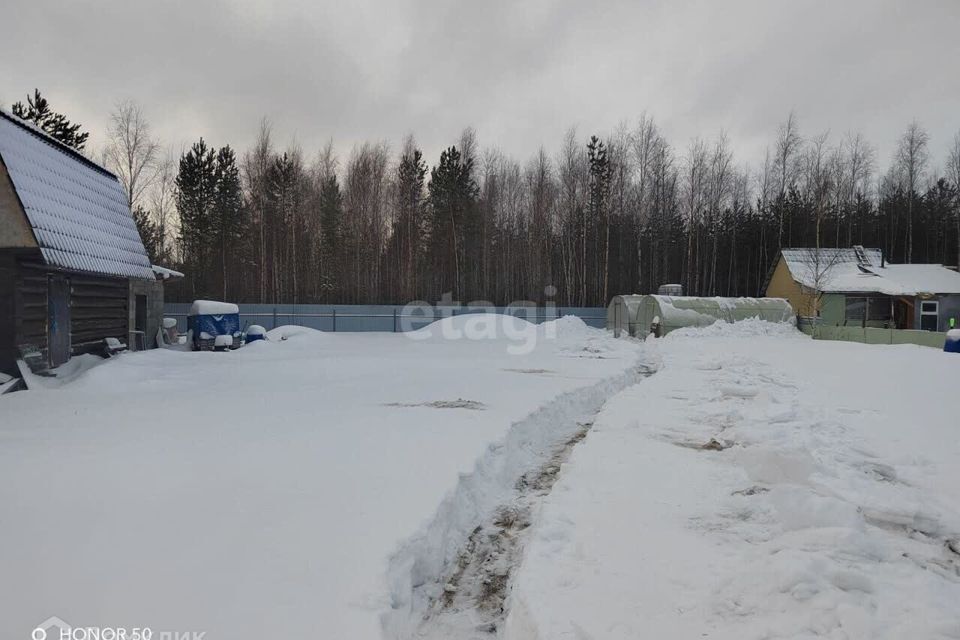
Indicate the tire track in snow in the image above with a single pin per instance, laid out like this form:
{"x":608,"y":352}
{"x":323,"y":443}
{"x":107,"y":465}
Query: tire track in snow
{"x":452,"y":581}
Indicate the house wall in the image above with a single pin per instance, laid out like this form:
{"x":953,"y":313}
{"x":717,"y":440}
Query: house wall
{"x":833,"y":309}
{"x":30,"y":309}
{"x":782,"y":285}
{"x":153,"y":290}
{"x":98,"y":310}
{"x":8,"y":276}
{"x":15,"y":231}
{"x":949,"y":308}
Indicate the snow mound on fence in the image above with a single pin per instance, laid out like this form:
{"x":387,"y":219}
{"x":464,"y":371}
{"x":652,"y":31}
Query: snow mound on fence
{"x":474,"y":326}
{"x":480,"y":324}
{"x":749,"y":328}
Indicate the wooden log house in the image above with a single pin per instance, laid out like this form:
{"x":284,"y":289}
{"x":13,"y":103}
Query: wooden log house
{"x":73,"y":268}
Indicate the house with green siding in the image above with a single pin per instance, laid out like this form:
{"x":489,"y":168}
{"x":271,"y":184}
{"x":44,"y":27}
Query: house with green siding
{"x":857,"y":287}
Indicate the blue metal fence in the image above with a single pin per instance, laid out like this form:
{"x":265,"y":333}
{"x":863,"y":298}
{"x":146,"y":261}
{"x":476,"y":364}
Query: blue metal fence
{"x":343,"y":317}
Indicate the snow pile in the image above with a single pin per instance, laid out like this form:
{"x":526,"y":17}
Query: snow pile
{"x":762,"y":488}
{"x":70,"y":371}
{"x":749,"y":328}
{"x":288,"y":331}
{"x":569,"y":328}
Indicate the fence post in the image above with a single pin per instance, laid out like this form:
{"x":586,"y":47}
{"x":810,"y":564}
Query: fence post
{"x":394,"y":319}
{"x":334,"y":319}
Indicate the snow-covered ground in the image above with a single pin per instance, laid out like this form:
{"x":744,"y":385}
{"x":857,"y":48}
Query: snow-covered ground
{"x":290,"y":489}
{"x":760,"y":485}
{"x":739,"y":481}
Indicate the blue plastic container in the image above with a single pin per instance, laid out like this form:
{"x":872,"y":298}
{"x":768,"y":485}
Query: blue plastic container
{"x":256,"y":332}
{"x":208,"y":319}
{"x":952,"y":343}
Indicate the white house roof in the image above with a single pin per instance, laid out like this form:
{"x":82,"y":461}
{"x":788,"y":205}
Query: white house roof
{"x":77,"y":209}
{"x":844,"y":271}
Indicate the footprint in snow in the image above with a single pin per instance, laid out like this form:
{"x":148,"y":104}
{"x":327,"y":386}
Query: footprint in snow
{"x":459,"y":403}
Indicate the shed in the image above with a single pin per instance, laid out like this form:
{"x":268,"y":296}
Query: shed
{"x":664,"y":314}
{"x":73,"y":268}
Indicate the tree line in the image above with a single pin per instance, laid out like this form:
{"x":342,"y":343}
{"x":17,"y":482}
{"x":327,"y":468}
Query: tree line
{"x":620,"y":213}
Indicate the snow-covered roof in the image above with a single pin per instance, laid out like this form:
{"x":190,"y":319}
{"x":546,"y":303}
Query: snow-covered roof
{"x":914,"y":279}
{"x":165,"y":274}
{"x":77,"y":209}
{"x":212,"y":308}
{"x":844,"y":271}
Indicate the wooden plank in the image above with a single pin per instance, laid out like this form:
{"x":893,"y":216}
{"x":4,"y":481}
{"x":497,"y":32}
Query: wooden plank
{"x":10,"y":386}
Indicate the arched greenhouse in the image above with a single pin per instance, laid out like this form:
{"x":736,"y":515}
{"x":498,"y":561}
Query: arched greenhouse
{"x":639,"y":315}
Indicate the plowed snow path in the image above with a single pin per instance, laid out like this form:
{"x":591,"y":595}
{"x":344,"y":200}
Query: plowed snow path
{"x":453,"y":580}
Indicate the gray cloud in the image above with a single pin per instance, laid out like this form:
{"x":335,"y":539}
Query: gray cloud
{"x":521,"y":73}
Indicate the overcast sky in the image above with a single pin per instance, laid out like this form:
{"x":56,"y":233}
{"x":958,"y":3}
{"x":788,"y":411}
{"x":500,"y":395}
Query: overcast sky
{"x":520,"y":72}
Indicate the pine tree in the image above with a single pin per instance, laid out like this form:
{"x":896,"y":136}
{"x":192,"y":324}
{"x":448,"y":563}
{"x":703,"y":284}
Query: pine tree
{"x":600,"y":207}
{"x":38,"y":111}
{"x":196,"y":197}
{"x":150,"y":234}
{"x":453,"y":195}
{"x":331,"y":233}
{"x":408,"y":227}
{"x":229,"y":213}
{"x":284,"y":195}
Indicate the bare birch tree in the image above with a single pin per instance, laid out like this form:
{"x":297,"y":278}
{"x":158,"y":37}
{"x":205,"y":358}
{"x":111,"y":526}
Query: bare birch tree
{"x":131,"y":150}
{"x":912,"y":160}
{"x":788,"y":148}
{"x":953,"y":169}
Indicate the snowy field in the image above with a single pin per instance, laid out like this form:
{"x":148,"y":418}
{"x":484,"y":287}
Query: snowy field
{"x":760,"y":485}
{"x":262,"y":493}
{"x":734,"y":482}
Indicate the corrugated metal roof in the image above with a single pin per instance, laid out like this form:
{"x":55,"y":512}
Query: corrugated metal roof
{"x":77,"y":209}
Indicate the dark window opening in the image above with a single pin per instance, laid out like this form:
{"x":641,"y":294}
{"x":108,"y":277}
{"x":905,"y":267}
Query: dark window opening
{"x":879,"y":309}
{"x":863,"y":309}
{"x":929,"y":315}
{"x":856,"y":309}
{"x":140,"y":321}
